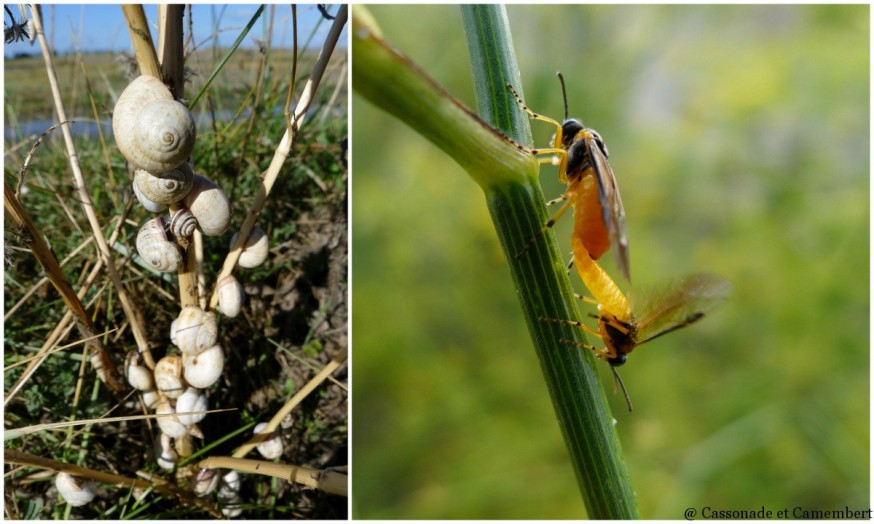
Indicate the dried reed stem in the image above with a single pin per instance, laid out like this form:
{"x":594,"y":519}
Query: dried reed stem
{"x":272,"y":173}
{"x":12,"y":456}
{"x":141,"y":38}
{"x":298,"y":397}
{"x":329,"y":481}
{"x":84,"y":197}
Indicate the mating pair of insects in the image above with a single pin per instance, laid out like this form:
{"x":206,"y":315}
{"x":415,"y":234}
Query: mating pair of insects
{"x":599,"y":223}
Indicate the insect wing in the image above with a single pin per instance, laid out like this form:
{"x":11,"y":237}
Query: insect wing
{"x":679,"y":304}
{"x":611,"y":206}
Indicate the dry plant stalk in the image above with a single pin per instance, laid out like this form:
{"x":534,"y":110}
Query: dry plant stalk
{"x":103,"y":365}
{"x":283,"y":150}
{"x":298,"y":397}
{"x":85,"y":197}
{"x":141,"y":39}
{"x":12,"y":456}
{"x":327,"y":480}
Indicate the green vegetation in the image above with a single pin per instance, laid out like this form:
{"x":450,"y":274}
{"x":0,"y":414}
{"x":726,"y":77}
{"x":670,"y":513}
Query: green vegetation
{"x":739,"y":136}
{"x":294,"y":322}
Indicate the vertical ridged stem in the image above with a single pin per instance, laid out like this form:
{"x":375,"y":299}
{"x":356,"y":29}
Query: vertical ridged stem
{"x":544,"y":290}
{"x":141,"y":39}
{"x":171,"y":60}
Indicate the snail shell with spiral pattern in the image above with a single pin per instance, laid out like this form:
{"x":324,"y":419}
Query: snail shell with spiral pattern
{"x":156,"y":248}
{"x":153,"y":131}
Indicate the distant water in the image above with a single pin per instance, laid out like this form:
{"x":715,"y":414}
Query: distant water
{"x":87,"y":127}
{"x":82,"y":128}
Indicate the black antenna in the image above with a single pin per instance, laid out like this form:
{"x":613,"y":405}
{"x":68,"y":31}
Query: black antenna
{"x":563,"y":94}
{"x":622,"y":385}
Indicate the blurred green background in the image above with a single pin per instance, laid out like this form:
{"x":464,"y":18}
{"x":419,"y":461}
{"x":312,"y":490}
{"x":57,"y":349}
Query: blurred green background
{"x":740,"y":139}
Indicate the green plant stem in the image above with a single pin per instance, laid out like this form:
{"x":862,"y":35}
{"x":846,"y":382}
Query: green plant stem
{"x":508,"y":175}
{"x":574,"y":386}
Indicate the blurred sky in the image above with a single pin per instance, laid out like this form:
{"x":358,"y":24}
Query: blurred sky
{"x":64,"y":21}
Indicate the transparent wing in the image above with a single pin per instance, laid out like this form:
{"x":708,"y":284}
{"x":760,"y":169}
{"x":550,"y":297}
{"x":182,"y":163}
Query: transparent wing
{"x":678,"y":304}
{"x":611,"y":207}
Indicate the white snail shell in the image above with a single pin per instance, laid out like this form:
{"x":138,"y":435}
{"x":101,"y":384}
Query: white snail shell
{"x":203,"y":370}
{"x":230,"y":483}
{"x":255,"y":248}
{"x":155,"y":248}
{"x":229,"y":494}
{"x":170,"y":426}
{"x":191,"y":400}
{"x":209,"y":205}
{"x":138,"y":376}
{"x":205,"y":481}
{"x":271,"y":447}
{"x":163,"y":189}
{"x":153,"y":132}
{"x":183,"y":223}
{"x":173,"y":332}
{"x":74,"y":491}
{"x":150,"y":398}
{"x":194,"y":330}
{"x":167,"y":456}
{"x":168,"y":376}
{"x":230,"y":296}
{"x":153,"y":207}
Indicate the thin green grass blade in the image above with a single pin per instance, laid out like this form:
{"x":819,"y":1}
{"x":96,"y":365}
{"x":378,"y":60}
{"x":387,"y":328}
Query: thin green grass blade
{"x":227,"y":57}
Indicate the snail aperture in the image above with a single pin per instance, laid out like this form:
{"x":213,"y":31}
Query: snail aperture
{"x":153,"y":131}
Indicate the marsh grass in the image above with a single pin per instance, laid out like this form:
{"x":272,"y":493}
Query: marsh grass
{"x":294,"y":320}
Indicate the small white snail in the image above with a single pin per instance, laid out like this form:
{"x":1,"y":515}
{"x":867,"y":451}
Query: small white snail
{"x":150,"y":398}
{"x":255,"y":248}
{"x":173,"y":332}
{"x":271,"y":446}
{"x":169,"y":425}
{"x":155,"y":192}
{"x":190,"y":401}
{"x":203,"y":370}
{"x":138,"y":376}
{"x":229,"y":494}
{"x":167,"y":456}
{"x":153,"y":131}
{"x":74,"y":491}
{"x":168,"y":376}
{"x":183,"y":223}
{"x":205,"y":481}
{"x":155,"y":248}
{"x":209,"y":205}
{"x":230,"y":296}
{"x":194,"y":330}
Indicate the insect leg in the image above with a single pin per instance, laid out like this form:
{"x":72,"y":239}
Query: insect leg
{"x":549,"y":223}
{"x":574,"y":323}
{"x":556,"y":142}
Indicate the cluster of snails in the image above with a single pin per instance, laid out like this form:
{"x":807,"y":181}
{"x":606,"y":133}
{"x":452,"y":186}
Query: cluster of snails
{"x":156,"y":134}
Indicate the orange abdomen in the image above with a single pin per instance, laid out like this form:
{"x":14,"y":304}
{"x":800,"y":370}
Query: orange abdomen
{"x":588,"y":219}
{"x":600,"y":285}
